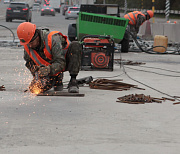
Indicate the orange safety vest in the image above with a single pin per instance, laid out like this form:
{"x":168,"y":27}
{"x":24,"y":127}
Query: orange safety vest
{"x":47,"y":50}
{"x":132,"y":16}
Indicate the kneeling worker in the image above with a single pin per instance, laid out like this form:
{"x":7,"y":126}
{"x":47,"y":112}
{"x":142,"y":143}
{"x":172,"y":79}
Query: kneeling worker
{"x":48,"y":55}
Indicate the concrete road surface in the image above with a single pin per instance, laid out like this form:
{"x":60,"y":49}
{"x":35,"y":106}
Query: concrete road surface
{"x":96,"y":123}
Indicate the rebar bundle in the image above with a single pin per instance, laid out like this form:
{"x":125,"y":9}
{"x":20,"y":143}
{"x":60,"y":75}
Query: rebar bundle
{"x":115,"y":85}
{"x":141,"y":99}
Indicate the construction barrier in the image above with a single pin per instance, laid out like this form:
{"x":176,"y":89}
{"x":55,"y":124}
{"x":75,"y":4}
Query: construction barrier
{"x":171,"y":30}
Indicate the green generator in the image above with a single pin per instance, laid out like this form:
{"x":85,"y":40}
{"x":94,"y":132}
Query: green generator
{"x":98,"y":24}
{"x":98,"y":34}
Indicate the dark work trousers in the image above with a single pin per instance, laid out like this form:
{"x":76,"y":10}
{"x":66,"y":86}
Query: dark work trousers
{"x":73,"y":64}
{"x":73,"y":58}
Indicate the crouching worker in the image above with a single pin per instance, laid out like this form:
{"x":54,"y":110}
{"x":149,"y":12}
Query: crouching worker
{"x":48,"y":55}
{"x":136,"y":19}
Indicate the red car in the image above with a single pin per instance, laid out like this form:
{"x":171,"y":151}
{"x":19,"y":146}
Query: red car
{"x":47,"y":10}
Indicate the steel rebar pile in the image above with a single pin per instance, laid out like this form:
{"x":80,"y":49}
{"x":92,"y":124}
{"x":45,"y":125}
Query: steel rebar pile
{"x":2,"y":88}
{"x":115,"y":85}
{"x":141,"y":99}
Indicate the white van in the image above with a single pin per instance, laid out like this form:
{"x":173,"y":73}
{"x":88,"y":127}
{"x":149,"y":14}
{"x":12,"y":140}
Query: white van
{"x":55,"y":4}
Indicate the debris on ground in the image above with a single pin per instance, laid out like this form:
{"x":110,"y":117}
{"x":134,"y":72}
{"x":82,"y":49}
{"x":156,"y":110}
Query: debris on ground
{"x":176,"y":97}
{"x":141,"y":99}
{"x":176,"y":103}
{"x":115,"y":85}
{"x":25,"y":90}
{"x":127,"y":62}
{"x":2,"y":88}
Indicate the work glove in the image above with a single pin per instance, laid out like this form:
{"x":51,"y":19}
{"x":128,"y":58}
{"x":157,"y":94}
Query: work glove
{"x":44,"y":71}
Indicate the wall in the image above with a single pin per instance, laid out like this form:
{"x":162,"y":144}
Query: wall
{"x":171,"y":30}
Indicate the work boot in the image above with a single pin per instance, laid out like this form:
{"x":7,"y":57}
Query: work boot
{"x":73,"y":86}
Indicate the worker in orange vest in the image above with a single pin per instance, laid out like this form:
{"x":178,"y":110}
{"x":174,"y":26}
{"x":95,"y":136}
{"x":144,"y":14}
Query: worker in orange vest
{"x":49,"y":54}
{"x":136,"y":19}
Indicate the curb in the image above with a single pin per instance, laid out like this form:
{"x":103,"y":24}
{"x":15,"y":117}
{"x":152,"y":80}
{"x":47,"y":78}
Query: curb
{"x":5,"y":43}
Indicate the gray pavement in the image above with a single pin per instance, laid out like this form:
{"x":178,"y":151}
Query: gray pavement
{"x":3,"y":13}
{"x":95,"y":123}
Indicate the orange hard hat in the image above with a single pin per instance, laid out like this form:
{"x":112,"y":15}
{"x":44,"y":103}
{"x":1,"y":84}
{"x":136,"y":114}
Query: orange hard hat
{"x":25,"y":32}
{"x":150,"y":13}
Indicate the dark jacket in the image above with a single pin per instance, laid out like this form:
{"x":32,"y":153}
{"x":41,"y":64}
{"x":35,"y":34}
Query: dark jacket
{"x":58,"y":62}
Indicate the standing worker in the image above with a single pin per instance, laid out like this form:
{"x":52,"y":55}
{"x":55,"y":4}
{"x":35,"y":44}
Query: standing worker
{"x":49,"y":54}
{"x":136,"y":19}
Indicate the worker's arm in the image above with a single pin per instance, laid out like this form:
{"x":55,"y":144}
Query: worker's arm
{"x":58,"y":55}
{"x":30,"y":63}
{"x":140,"y":20}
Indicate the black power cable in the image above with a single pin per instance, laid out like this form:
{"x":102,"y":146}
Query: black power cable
{"x":150,"y":50}
{"x":124,"y":70}
{"x":160,"y":69}
{"x":10,"y":30}
{"x":153,"y":72}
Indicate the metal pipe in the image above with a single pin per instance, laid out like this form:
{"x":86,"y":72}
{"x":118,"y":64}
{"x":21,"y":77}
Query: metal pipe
{"x":153,"y":8}
{"x":167,"y":9}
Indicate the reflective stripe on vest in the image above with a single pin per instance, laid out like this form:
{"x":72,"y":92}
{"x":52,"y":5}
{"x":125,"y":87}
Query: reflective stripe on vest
{"x":48,"y":44}
{"x":35,"y":56}
{"x":47,"y":50}
{"x":39,"y":61}
{"x":132,"y":16}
